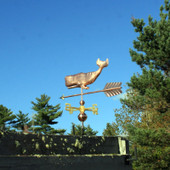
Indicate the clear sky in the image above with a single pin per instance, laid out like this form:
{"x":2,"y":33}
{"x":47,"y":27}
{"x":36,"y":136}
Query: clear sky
{"x":42,"y":41}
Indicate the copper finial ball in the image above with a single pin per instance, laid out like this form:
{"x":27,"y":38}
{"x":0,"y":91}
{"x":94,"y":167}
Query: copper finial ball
{"x":82,"y":117}
{"x":82,"y":102}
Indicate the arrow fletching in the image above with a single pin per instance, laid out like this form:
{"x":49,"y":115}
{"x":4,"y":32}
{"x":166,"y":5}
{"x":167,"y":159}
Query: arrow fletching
{"x":112,"y":89}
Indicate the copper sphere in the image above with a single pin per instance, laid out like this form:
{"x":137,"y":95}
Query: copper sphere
{"x":82,"y":102}
{"x":82,"y":117}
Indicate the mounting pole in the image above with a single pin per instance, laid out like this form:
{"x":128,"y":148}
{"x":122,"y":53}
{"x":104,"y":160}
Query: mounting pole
{"x":82,"y":129}
{"x":82,"y":126}
{"x":81,"y":94}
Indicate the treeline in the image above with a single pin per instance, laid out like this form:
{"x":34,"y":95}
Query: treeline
{"x":41,"y":122}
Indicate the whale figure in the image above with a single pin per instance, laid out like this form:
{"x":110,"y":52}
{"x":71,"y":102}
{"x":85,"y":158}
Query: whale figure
{"x":83,"y":79}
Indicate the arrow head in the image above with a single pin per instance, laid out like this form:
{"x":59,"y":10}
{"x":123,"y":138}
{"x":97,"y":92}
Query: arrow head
{"x":62,"y":97}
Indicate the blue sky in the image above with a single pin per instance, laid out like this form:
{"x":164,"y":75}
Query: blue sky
{"x":41,"y":42}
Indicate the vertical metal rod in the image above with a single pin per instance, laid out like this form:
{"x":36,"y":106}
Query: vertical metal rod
{"x":81,"y":93}
{"x":73,"y":129}
{"x":33,"y":116}
{"x":82,"y":129}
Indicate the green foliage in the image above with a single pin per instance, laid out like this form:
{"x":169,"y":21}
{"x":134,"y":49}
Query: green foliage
{"x":6,"y":118}
{"x":145,"y":112}
{"x":111,"y":130}
{"x":46,"y":116}
{"x":148,"y":97}
{"x":151,"y":86}
{"x":21,"y":120}
{"x":77,"y":130}
{"x":153,"y":148}
{"x":153,"y":41}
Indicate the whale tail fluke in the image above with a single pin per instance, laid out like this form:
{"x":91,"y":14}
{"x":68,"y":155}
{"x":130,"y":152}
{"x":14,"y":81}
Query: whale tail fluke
{"x":102,"y":64}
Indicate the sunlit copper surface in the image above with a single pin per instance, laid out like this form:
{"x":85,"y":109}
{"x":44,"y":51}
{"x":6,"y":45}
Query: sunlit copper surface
{"x":83,"y":79}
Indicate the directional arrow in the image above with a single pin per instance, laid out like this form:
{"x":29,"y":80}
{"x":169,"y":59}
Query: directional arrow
{"x":110,"y":89}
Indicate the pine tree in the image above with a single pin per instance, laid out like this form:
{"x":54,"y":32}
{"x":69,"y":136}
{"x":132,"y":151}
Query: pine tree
{"x":152,"y":147}
{"x":153,"y":41}
{"x":145,"y":112}
{"x":111,"y":130}
{"x":7,"y":118}
{"x":46,"y":116}
{"x":77,"y":130}
{"x":21,"y":120}
{"x":149,"y":93}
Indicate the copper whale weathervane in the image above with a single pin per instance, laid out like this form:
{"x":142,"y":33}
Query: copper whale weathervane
{"x":81,"y":80}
